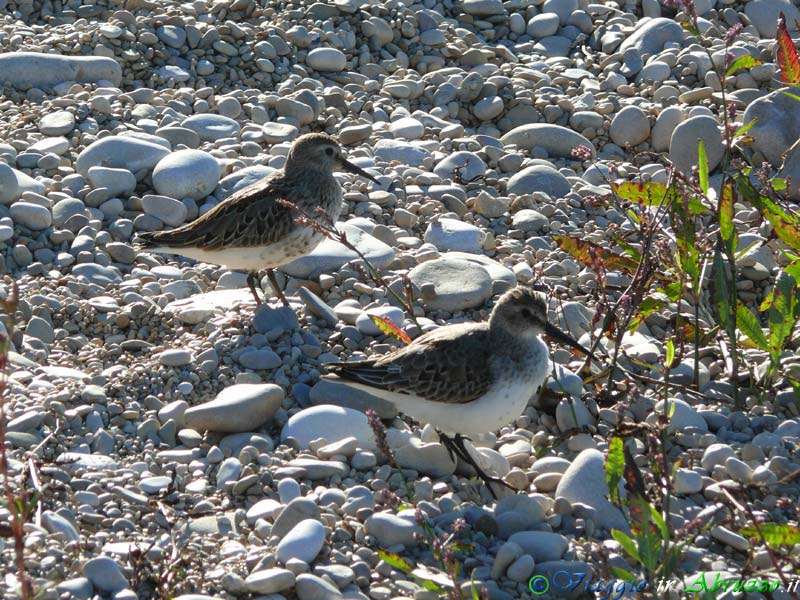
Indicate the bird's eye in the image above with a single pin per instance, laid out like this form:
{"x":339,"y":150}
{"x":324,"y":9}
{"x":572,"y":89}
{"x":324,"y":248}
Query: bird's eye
{"x":527,"y":313}
{"x":329,"y":151}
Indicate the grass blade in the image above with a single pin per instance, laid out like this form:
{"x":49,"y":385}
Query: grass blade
{"x":702,"y":166}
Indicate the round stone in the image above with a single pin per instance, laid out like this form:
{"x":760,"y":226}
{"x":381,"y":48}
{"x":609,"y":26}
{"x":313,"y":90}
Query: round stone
{"x":9,"y":189}
{"x":303,"y":542}
{"x":451,"y":284}
{"x":333,"y":423}
{"x":186,"y":174}
{"x":60,"y":122}
{"x":212,"y":127}
{"x":125,"y":152}
{"x":30,"y":215}
{"x":683,"y":146}
{"x":539,"y":178}
{"x":238,"y":408}
{"x":326,"y":59}
{"x":630,"y":127}
{"x":558,"y":141}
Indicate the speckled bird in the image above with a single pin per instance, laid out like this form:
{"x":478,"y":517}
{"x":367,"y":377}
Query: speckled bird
{"x":252,"y":229}
{"x":467,"y":378}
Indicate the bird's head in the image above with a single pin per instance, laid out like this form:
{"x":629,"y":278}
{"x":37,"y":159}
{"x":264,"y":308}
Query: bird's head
{"x":321,"y":152}
{"x":522,"y":312}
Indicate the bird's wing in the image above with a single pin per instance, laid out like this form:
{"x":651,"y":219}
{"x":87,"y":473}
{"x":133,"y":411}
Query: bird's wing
{"x":448,"y":365}
{"x":249,"y":217}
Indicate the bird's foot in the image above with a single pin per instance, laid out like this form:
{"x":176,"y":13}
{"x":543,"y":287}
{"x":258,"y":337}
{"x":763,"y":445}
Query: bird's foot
{"x":277,"y":288}
{"x":455,"y":447}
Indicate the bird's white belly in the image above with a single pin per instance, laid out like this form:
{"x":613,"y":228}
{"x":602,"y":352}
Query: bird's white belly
{"x":252,"y":258}
{"x":497,"y":408}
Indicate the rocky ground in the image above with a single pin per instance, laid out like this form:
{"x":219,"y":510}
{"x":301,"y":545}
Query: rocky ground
{"x":182,"y":440}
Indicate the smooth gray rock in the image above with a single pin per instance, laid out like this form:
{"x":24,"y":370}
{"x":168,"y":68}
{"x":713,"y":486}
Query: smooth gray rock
{"x":296,"y":510}
{"x":557,"y":140}
{"x":764,"y":15}
{"x":391,"y":530}
{"x":33,"y":69}
{"x":402,"y":152}
{"x":584,"y":482}
{"x":330,"y":255}
{"x":450,"y":234}
{"x":328,"y":391}
{"x":539,"y":178}
{"x":311,"y":587}
{"x":186,"y":174}
{"x":451,"y":284}
{"x":241,"y":179}
{"x":60,"y":122}
{"x":269,"y":581}
{"x":541,"y":545}
{"x":238,"y":408}
{"x":33,"y":216}
{"x":777,"y":125}
{"x":212,"y":127}
{"x":326,"y":59}
{"x":464,"y":165}
{"x":303,"y":542}
{"x":651,"y":35}
{"x":683,"y":146}
{"x":126,"y":152}
{"x":105,"y":574}
{"x":333,"y":423}
{"x":630,"y":127}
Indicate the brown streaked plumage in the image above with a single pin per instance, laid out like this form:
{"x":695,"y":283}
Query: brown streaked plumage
{"x":251,"y":230}
{"x":468,"y":378}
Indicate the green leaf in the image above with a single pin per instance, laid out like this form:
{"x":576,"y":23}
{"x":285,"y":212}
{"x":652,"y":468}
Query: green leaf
{"x":621,"y":574}
{"x":615,"y":466}
{"x":775,"y":534}
{"x":702,"y":166}
{"x":782,"y":314}
{"x":626,"y":543}
{"x":778,"y":184}
{"x":745,"y":128}
{"x":792,"y":96}
{"x":743,"y":62}
{"x":647,"y":193}
{"x":727,"y":229}
{"x":721,"y":290}
{"x":473,"y":588}
{"x":590,"y":254}
{"x":670,"y":354}
{"x":786,"y":225}
{"x":395,"y":561}
{"x":749,"y":325}
{"x":660,"y":523}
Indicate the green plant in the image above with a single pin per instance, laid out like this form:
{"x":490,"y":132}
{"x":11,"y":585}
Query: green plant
{"x":19,"y":501}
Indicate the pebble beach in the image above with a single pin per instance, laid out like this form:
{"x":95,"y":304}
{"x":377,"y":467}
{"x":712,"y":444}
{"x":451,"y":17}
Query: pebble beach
{"x":180,"y":439}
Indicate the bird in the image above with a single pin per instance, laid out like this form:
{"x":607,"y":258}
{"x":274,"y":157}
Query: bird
{"x":259,"y":227}
{"x":466,"y":378}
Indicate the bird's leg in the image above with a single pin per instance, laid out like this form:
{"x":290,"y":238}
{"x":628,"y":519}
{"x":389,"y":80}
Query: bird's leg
{"x":251,"y":282}
{"x":468,"y":458}
{"x":449,"y":445}
{"x":455,"y":447}
{"x":278,"y":291}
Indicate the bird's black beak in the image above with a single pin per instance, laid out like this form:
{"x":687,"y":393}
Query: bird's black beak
{"x":558,"y":335}
{"x":356,"y":170}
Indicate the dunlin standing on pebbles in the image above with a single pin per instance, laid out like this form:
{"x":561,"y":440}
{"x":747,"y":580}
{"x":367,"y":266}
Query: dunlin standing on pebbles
{"x":468,"y":378}
{"x":253,"y":230}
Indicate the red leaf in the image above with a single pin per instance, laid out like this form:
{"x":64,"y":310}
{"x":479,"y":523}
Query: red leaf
{"x":788,"y":61}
